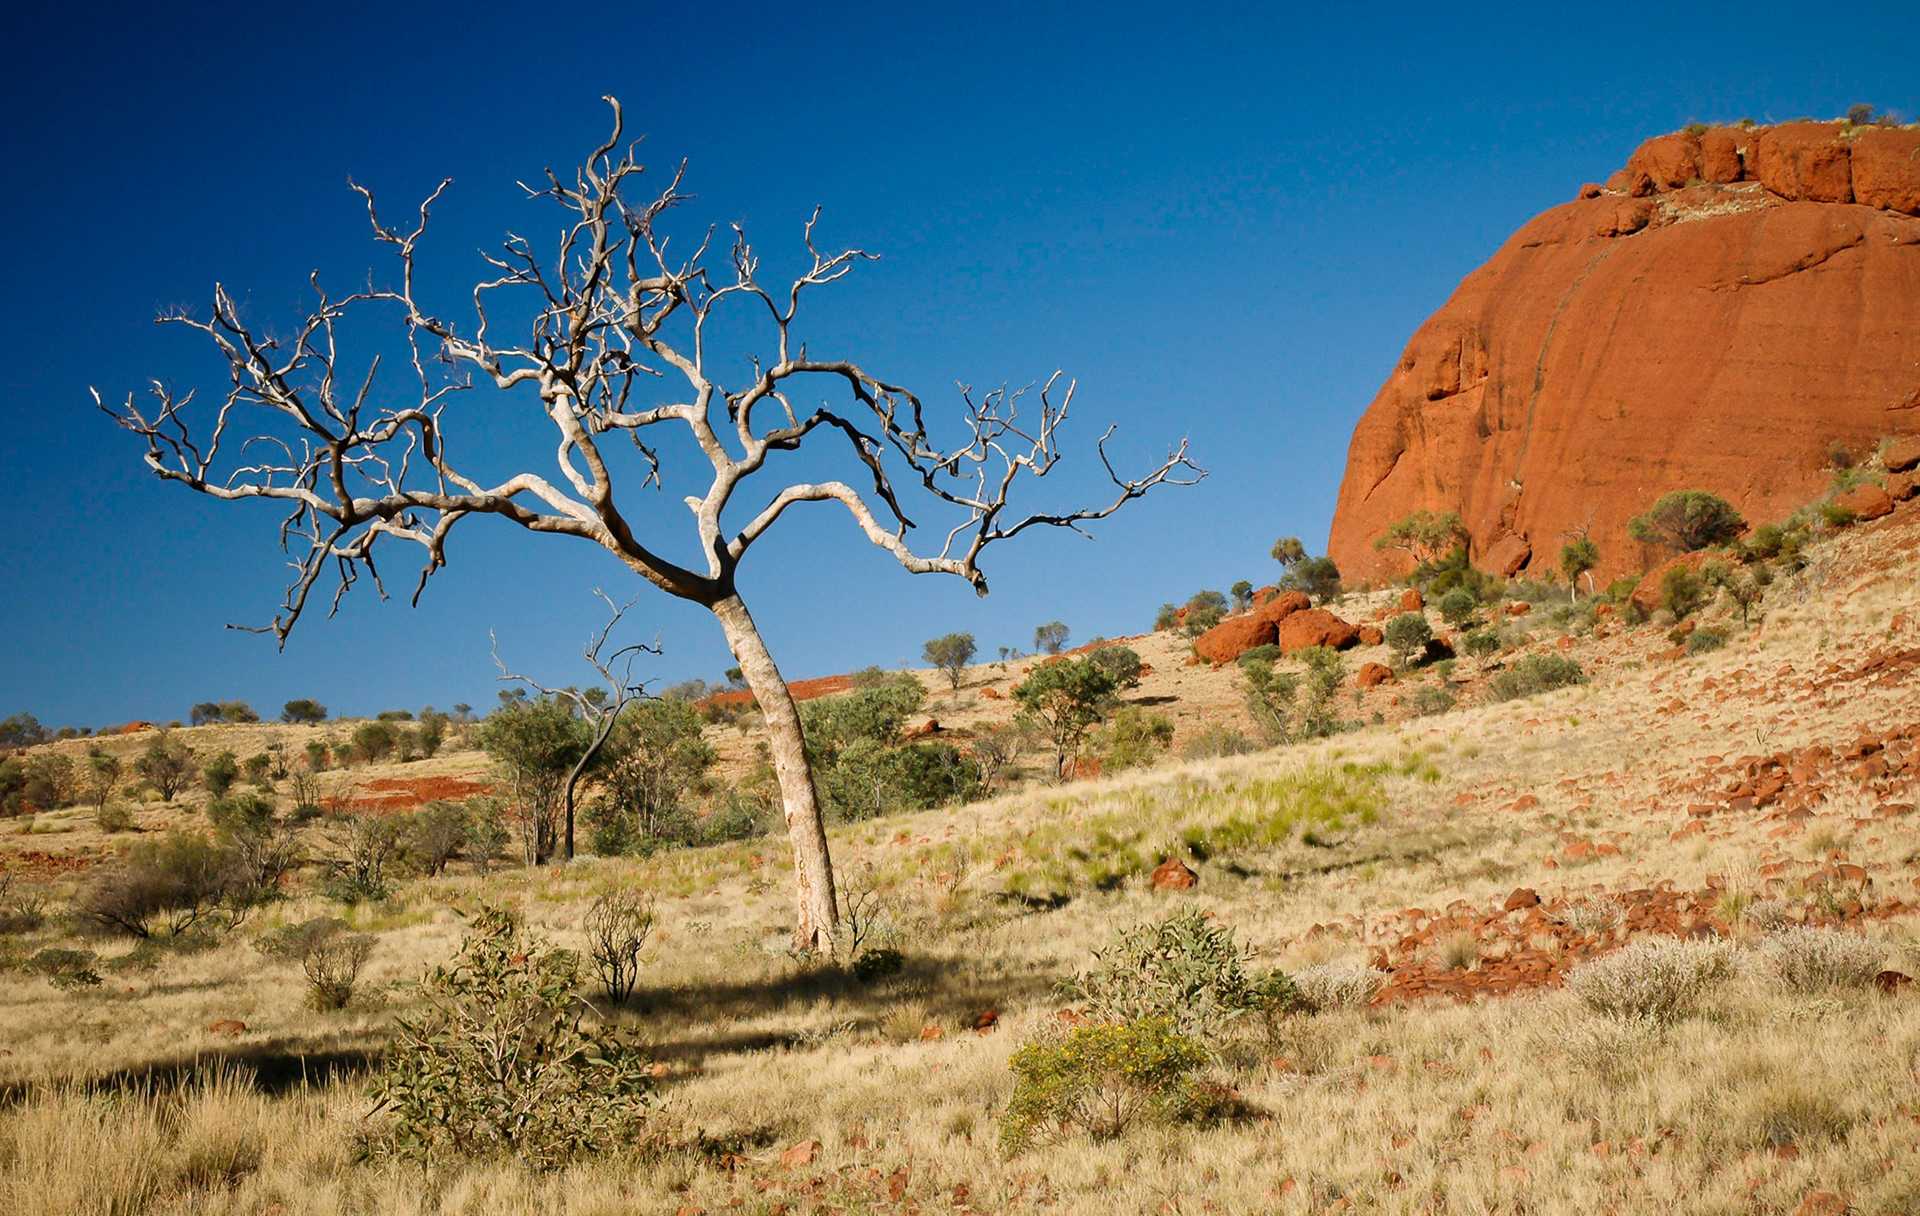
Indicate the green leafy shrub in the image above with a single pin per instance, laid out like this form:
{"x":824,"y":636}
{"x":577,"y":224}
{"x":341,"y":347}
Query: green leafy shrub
{"x":168,"y":885}
{"x":503,"y":1065}
{"x":1430,"y":699}
{"x":1318,"y":577}
{"x":1682,"y":592}
{"x":1099,"y":1081}
{"x":435,"y":834}
{"x":166,"y":764}
{"x":1121,"y":664}
{"x":361,"y":848}
{"x":219,"y":773}
{"x":877,"y":964}
{"x":1203,"y":611}
{"x":1534,"y":674}
{"x":67,"y":970}
{"x":113,"y":818}
{"x":1688,"y":521}
{"x":1134,"y":737}
{"x":1706,"y":641}
{"x":1181,"y":970}
{"x":1481,"y":642}
{"x":374,"y":741}
{"x":1050,"y":638}
{"x":1458,"y":606}
{"x":1408,"y":635}
{"x":303,"y":710}
{"x":1065,"y":699}
{"x":328,"y":955}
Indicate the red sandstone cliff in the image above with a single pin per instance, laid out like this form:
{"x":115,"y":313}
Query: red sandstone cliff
{"x":1718,"y":316}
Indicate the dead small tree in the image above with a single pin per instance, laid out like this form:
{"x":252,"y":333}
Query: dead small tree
{"x":617,"y":346}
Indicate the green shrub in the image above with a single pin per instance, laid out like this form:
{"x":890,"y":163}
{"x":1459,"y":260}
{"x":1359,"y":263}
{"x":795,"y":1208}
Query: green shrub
{"x":1318,"y":577}
{"x":1065,"y":700}
{"x":374,"y":741}
{"x":1134,"y":737}
{"x":1705,"y":641}
{"x":1835,"y":516}
{"x":113,"y":817}
{"x":1688,"y":521}
{"x":1533,"y":674}
{"x":1682,"y":592}
{"x":1458,"y":606}
{"x":170,"y":885}
{"x":1481,"y":642}
{"x":303,"y":710}
{"x":877,"y":964}
{"x":1181,"y":970}
{"x":1121,"y":664}
{"x":435,"y":834}
{"x":166,"y":764}
{"x":502,"y":1064}
{"x":67,"y":970}
{"x":1408,"y":635}
{"x":1050,"y":638}
{"x":1809,"y":959}
{"x":361,"y":847}
{"x":328,"y":955}
{"x":1430,"y":699}
{"x":1099,"y":1081}
{"x":219,"y":774}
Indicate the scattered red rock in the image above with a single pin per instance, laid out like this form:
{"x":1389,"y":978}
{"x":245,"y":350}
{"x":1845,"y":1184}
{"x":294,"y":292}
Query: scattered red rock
{"x":1370,"y":635}
{"x":1173,"y":875}
{"x":986,"y":1020}
{"x":800,"y":1155}
{"x":1822,"y":1203}
{"x":231,"y":1028}
{"x":406,"y":793}
{"x":1903,"y":454}
{"x":1524,"y":897}
{"x":1892,"y":982}
{"x":1410,"y":600}
{"x":1372,"y":675}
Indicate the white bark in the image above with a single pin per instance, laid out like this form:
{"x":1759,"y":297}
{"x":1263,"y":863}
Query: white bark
{"x":816,"y":907}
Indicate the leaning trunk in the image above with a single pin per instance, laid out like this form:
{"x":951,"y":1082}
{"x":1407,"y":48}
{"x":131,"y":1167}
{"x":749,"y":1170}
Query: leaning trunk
{"x":817,"y":913}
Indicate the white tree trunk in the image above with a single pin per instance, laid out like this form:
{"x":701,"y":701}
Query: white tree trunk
{"x":816,"y":912}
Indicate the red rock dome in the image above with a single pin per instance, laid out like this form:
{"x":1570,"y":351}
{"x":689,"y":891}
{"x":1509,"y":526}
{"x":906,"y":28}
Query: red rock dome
{"x":1730,"y":306}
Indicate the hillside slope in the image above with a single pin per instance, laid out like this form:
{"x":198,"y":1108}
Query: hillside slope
{"x":1473,"y":858}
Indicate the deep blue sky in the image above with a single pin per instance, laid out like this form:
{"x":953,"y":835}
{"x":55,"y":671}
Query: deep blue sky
{"x":1226,"y":221}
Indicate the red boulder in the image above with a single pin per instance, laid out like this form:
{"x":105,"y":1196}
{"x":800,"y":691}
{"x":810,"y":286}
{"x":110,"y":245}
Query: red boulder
{"x":1805,"y":161}
{"x":1668,"y":161}
{"x":1233,"y":637}
{"x":1315,"y":627}
{"x":1173,"y":875}
{"x":1865,"y":502}
{"x":1372,"y":675}
{"x":1886,"y":169}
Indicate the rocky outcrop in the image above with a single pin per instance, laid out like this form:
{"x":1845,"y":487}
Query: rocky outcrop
{"x":1236,"y":635}
{"x":1725,"y":310}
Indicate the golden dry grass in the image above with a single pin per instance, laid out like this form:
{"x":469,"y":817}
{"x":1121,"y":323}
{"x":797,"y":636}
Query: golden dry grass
{"x":1523,"y":1104}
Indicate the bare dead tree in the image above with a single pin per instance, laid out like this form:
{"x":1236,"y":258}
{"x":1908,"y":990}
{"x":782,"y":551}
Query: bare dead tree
{"x":617,"y":346}
{"x":601,"y":713}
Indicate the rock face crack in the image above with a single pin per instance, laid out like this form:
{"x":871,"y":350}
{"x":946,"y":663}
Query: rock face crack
{"x":1811,"y":261}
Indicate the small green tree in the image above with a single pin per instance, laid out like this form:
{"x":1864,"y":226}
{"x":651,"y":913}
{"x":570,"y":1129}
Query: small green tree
{"x":1242,"y":593}
{"x":1408,"y":635}
{"x":102,"y":777}
{"x":950,"y":654}
{"x":166,"y":764}
{"x":304,"y":710}
{"x":1050,"y":638}
{"x":219,"y":773}
{"x":1205,"y":609}
{"x":1318,"y":577}
{"x":1270,"y":693}
{"x":1577,"y":557}
{"x":1289,"y":552}
{"x":374,"y":741}
{"x":656,"y":761}
{"x":1423,"y":535}
{"x":1745,"y":590}
{"x":1166,"y":618}
{"x":1065,"y":700}
{"x":535,"y":745}
{"x":431,"y":733}
{"x":1688,"y":521}
{"x":1121,"y":662}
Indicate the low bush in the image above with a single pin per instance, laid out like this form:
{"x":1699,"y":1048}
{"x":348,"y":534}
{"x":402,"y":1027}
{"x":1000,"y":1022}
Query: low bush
{"x":1534,"y":674}
{"x":1181,"y":970}
{"x":1457,"y":606}
{"x":502,"y":1065}
{"x":1430,"y":699}
{"x":67,"y":970}
{"x":1706,"y":641}
{"x":112,"y":818}
{"x":169,"y":885}
{"x":1408,"y":635}
{"x":1215,"y":741}
{"x":1811,"y":959}
{"x":1326,"y":987}
{"x":1133,"y":738}
{"x":328,"y":955}
{"x":1099,"y":1081}
{"x":1481,"y":642}
{"x":1661,"y":979}
{"x":618,"y":926}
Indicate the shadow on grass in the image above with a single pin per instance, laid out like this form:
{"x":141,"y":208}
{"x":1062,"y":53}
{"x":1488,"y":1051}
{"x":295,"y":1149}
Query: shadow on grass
{"x":276,"y":1069}
{"x":691,"y":1022}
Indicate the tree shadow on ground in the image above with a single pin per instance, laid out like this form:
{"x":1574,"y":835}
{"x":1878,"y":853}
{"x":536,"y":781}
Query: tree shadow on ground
{"x":275,"y":1068}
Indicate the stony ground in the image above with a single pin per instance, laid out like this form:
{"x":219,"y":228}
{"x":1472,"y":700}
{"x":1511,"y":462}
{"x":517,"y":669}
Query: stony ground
{"x":1494,"y":848}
